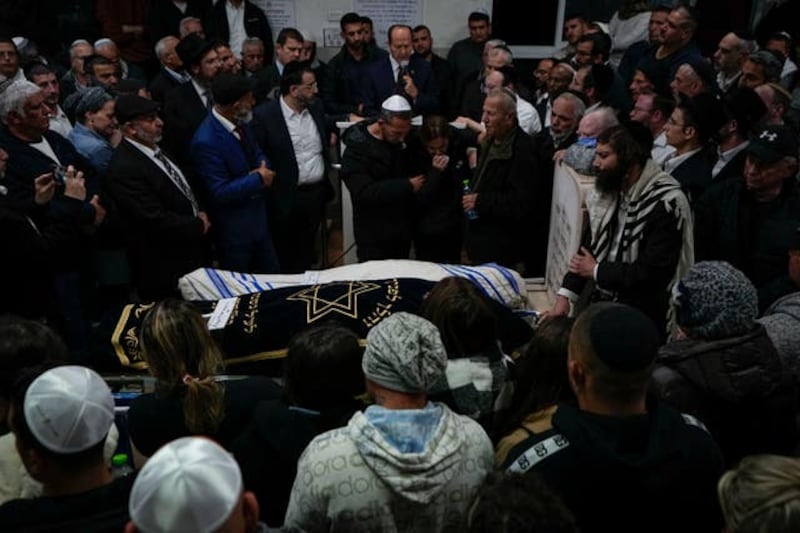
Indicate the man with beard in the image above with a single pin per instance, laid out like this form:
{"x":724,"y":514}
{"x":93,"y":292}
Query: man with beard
{"x":638,"y":240}
{"x":166,"y":227}
{"x":235,"y":172}
{"x":383,"y":177}
{"x":292,"y":131}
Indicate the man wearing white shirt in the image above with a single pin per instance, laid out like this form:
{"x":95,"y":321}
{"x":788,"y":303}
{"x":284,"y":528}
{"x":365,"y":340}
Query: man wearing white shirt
{"x":172,"y":72}
{"x":9,"y":60}
{"x":232,"y":21}
{"x":291,"y":131}
{"x":45,"y":78}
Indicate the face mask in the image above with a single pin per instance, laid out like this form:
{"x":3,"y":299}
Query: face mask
{"x":588,"y":142}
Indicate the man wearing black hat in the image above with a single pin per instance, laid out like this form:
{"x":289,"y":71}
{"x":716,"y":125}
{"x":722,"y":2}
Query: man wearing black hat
{"x":694,"y":77}
{"x":750,"y":222}
{"x":166,"y":226}
{"x":743,"y":111}
{"x":235,"y":173}
{"x":187,"y":105}
{"x":621,"y":461}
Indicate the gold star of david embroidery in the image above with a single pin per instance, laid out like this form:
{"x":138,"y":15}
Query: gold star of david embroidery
{"x":340,"y":297}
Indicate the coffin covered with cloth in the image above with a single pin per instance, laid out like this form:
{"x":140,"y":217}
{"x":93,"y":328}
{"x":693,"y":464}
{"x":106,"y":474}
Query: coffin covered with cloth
{"x":254,"y":329}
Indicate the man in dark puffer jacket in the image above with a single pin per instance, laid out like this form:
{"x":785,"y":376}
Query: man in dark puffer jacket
{"x":724,"y":369}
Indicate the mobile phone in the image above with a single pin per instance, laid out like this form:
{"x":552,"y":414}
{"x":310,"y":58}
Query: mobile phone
{"x":59,"y":174}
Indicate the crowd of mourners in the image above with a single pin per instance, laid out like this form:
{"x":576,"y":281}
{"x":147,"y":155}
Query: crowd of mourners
{"x":658,"y":392}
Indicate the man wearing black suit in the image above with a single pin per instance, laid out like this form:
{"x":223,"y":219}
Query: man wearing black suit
{"x":423,"y":47}
{"x":743,"y":110}
{"x":187,"y":105}
{"x":166,"y":226}
{"x":292,"y":133}
{"x":288,"y":47}
{"x":400,"y":73}
{"x":171,"y":73}
{"x":232,"y":21}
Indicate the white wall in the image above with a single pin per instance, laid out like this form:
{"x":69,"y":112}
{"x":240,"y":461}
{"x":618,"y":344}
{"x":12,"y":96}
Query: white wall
{"x":447,"y":19}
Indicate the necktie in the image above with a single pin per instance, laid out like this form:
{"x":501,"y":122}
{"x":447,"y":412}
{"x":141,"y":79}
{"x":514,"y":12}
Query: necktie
{"x":242,"y":135}
{"x":177,"y":179}
{"x":209,"y":100}
{"x":401,"y":82}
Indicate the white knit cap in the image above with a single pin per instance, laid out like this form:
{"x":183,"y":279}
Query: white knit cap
{"x":189,"y":485}
{"x":69,"y":409}
{"x":396,"y":104}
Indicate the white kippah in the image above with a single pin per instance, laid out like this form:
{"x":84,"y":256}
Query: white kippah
{"x":396,"y":104}
{"x":69,"y":409}
{"x":190,"y":485}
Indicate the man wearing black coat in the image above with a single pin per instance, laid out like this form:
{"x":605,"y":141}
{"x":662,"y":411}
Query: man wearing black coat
{"x":505,"y":189}
{"x":250,"y":20}
{"x":291,"y":131}
{"x":166,"y":227}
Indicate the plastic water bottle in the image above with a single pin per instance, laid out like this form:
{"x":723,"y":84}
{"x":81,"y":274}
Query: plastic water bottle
{"x":120,"y":467}
{"x":472,"y":214}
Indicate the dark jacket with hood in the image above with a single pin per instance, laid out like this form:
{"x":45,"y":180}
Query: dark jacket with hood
{"x":653,"y":472}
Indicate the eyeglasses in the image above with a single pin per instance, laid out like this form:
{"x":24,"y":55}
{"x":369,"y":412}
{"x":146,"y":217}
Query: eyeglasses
{"x":312,"y":85}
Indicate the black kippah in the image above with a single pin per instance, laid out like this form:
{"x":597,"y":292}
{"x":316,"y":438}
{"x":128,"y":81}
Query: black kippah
{"x":624,"y":338}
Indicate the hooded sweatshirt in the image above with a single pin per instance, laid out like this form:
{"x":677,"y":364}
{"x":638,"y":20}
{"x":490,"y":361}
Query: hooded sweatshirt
{"x":391,"y":470}
{"x":652,"y":472}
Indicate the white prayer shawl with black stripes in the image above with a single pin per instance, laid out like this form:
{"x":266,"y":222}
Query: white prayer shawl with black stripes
{"x":653,"y":187}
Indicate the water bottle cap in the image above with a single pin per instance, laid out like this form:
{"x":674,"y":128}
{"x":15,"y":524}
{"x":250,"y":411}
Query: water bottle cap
{"x":119,"y":459}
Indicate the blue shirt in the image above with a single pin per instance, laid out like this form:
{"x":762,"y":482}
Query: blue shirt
{"x":91,"y":145}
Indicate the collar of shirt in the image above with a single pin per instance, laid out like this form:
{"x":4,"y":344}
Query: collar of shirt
{"x":230,"y":8}
{"x":674,"y":161}
{"x":395,"y":66}
{"x":180,"y":76}
{"x":730,"y":154}
{"x":201,"y":91}
{"x":149,"y":152}
{"x":230,"y":126}
{"x":725,"y":83}
{"x":288,"y":112}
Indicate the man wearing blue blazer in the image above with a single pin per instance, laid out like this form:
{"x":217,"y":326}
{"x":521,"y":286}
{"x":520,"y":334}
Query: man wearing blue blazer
{"x":235,"y":172}
{"x":400,"y":73}
{"x":292,"y":131}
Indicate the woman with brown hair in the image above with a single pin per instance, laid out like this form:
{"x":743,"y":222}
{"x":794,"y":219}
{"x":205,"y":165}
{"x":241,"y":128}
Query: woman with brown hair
{"x":440,"y":218}
{"x":190,"y":397}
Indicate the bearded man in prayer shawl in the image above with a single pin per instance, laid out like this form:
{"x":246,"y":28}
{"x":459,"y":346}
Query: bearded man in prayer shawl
{"x":638,"y":241}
